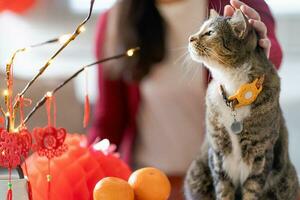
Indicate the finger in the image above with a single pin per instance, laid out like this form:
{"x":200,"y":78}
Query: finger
{"x":260,"y":27}
{"x":236,"y":4}
{"x":266,"y":45}
{"x":228,"y":10}
{"x":250,"y":12}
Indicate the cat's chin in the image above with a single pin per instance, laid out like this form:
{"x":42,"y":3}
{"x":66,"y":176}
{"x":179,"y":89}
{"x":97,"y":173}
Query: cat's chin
{"x":196,"y":57}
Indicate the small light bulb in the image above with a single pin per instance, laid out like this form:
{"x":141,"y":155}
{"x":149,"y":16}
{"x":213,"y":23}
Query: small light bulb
{"x":64,"y":38}
{"x":49,"y":94}
{"x":5,"y":92}
{"x":130,"y":52}
{"x":7,"y":114}
{"x":50,"y":61}
{"x":82,"y":29}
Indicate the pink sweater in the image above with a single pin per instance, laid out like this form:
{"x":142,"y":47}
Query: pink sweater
{"x":115,"y":113}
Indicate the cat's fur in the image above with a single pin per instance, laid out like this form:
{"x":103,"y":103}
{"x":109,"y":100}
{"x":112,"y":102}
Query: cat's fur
{"x":255,"y":164}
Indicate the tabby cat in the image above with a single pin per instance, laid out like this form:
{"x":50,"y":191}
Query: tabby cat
{"x":245,"y":153}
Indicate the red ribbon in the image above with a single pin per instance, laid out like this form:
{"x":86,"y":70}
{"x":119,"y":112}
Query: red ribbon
{"x":49,"y":102}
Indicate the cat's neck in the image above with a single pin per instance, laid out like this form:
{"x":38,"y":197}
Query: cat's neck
{"x":231,"y":78}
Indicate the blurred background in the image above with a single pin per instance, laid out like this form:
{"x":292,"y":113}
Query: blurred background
{"x":47,"y":19}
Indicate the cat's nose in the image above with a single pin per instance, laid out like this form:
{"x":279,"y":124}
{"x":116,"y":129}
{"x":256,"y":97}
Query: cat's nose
{"x":193,"y":38}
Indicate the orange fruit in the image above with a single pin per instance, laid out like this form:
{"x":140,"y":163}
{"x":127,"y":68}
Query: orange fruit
{"x":111,"y":188}
{"x":150,"y":184}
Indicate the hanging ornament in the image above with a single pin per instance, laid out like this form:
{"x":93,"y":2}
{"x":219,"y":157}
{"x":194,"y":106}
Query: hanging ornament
{"x":87,"y":100}
{"x":13,"y":147}
{"x":10,"y":156}
{"x":49,"y":141}
{"x":26,"y":146}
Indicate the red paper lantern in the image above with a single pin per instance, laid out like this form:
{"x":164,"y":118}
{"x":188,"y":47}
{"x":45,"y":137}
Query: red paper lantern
{"x":75,"y":173}
{"x":17,"y":6}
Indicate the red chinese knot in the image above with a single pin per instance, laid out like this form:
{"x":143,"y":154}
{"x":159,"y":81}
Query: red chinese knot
{"x":50,"y":141}
{"x":14,"y":146}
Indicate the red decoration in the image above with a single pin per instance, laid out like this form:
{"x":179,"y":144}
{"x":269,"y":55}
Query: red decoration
{"x":86,"y":117}
{"x":24,"y":142}
{"x":75,"y":173}
{"x":17,"y":6}
{"x":50,"y":141}
{"x":9,"y":194}
{"x":14,"y":146}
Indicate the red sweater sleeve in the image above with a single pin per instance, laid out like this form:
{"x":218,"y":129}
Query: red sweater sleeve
{"x":266,"y":16}
{"x":110,"y":109}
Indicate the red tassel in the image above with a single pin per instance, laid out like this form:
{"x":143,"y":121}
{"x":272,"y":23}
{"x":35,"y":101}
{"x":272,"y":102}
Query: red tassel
{"x":49,"y":180}
{"x":9,"y":194}
{"x":29,"y":190}
{"x":87,"y":101}
{"x":9,"y":191}
{"x":86,"y":111}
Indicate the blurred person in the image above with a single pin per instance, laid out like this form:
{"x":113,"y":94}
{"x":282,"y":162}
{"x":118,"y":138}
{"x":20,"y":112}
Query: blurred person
{"x":146,"y":106}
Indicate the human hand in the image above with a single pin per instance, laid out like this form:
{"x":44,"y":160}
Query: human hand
{"x":254,"y":20}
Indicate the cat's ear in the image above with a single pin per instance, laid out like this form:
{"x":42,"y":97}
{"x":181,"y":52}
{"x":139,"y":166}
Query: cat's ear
{"x":213,"y":14}
{"x":239,"y":24}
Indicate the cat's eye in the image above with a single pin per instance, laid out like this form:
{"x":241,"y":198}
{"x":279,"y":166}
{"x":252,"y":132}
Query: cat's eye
{"x":209,"y":33}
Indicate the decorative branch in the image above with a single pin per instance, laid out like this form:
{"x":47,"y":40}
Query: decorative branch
{"x":2,"y":111}
{"x":10,"y":63}
{"x":78,"y":30}
{"x":41,"y":102}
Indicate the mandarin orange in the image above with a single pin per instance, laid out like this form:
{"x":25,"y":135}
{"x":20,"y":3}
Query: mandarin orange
{"x":150,"y":184}
{"x":111,"y":188}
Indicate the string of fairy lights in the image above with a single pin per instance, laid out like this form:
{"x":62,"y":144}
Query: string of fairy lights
{"x":13,"y":104}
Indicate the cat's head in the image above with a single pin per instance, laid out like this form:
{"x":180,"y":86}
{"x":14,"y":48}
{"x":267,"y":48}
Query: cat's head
{"x":223,"y":41}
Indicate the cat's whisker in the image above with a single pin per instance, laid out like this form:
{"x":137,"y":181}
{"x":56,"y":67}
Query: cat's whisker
{"x":182,"y":57}
{"x":179,"y":48}
{"x":196,"y":71}
{"x":188,"y":72}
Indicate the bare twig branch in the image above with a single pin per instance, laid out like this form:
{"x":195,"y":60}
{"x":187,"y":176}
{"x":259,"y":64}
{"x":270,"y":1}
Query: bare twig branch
{"x":42,"y":101}
{"x":48,"y":63}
